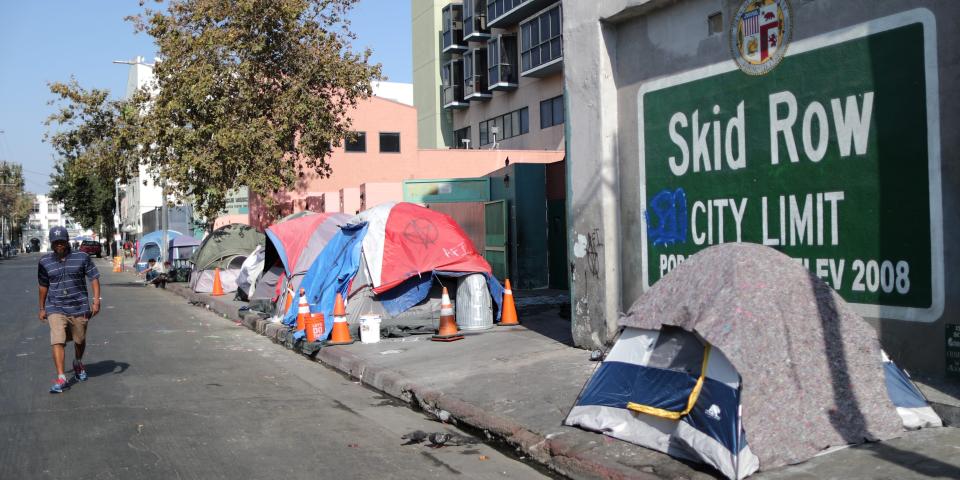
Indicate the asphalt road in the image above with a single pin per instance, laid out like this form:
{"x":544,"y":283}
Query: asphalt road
{"x":176,"y":392}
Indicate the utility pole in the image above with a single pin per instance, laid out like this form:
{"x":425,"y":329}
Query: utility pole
{"x":164,"y":224}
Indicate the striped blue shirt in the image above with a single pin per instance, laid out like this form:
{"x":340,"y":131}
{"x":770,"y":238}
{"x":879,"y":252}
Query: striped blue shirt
{"x":67,"y":282}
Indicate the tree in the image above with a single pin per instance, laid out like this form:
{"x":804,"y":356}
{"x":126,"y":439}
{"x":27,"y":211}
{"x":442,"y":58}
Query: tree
{"x":15,"y":203}
{"x":248,"y":92}
{"x":97,"y":142}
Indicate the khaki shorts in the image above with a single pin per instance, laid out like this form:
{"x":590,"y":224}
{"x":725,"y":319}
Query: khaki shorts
{"x":64,"y":328}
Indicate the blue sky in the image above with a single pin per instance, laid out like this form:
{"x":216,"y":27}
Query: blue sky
{"x":44,"y":41}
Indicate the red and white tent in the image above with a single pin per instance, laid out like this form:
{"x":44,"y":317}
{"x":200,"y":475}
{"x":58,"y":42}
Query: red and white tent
{"x":404,"y":240}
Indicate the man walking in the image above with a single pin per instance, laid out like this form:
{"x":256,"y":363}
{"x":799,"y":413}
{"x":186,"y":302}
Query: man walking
{"x":62,"y":275}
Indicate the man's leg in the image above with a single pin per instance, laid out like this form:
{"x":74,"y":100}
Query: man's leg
{"x":58,"y":358}
{"x":58,"y":338}
{"x":78,"y":330}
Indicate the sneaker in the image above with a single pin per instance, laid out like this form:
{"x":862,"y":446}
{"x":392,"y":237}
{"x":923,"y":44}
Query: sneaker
{"x":59,"y":385}
{"x":79,"y":372}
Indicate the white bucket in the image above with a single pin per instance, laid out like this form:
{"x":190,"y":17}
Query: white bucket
{"x":369,"y":328}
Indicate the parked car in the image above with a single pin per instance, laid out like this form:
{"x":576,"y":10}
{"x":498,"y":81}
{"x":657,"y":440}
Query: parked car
{"x":91,"y":247}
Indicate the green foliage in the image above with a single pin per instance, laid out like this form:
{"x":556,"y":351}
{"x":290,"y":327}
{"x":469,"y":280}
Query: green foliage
{"x":15,"y":204}
{"x":248,"y":92}
{"x":87,"y":196}
{"x":95,"y":144}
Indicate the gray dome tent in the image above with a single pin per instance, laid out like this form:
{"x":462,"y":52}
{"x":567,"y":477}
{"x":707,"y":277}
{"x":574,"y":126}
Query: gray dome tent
{"x":225,"y":248}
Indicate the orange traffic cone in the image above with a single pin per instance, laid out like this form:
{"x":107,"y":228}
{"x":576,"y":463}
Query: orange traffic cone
{"x":217,"y":286}
{"x":448,"y":331}
{"x":340,"y":334}
{"x":303,"y":311}
{"x":508,"y":315}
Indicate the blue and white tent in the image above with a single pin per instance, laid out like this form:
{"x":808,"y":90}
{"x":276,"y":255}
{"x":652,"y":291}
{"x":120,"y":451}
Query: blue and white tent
{"x":743,"y":360}
{"x":668,"y":390}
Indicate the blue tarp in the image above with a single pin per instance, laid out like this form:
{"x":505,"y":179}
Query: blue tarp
{"x":330,"y":274}
{"x":903,"y":393}
{"x":411,"y":292}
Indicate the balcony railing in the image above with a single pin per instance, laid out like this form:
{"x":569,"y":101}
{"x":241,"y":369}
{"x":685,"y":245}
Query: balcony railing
{"x":475,"y":75}
{"x":504,"y":13}
{"x":452,"y":24}
{"x":475,"y":21}
{"x":502,"y":73}
{"x":452,"y":88}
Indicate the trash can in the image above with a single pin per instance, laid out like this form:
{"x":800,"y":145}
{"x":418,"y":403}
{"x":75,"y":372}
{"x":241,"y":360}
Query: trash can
{"x":474,"y":305}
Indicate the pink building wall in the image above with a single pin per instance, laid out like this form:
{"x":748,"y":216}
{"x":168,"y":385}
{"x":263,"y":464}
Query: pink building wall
{"x":375,"y":193}
{"x":350,"y":200}
{"x":351,"y":170}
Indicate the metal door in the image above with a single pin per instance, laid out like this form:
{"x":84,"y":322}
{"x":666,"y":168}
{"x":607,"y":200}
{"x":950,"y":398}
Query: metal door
{"x":495,"y":237}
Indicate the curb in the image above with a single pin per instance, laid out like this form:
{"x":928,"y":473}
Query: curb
{"x":570,"y":459}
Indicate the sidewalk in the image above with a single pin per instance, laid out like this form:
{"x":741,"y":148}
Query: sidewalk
{"x":516,"y":385}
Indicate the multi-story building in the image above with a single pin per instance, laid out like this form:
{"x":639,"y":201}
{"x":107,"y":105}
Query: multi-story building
{"x":141,"y":194}
{"x":45,"y":215}
{"x":488,"y":74}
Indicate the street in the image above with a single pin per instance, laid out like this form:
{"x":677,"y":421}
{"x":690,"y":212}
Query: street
{"x":179,"y":392}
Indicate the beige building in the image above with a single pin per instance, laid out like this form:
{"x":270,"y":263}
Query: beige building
{"x":488,"y":74}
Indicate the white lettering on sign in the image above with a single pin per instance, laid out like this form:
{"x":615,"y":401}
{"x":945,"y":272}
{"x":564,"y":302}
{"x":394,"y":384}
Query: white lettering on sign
{"x":723,"y":142}
{"x":714,"y":212}
{"x":851,"y":123}
{"x":805,"y":214}
{"x":711,"y":143}
{"x":669,"y":262}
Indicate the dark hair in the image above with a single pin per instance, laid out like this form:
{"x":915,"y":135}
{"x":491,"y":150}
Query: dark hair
{"x":152,"y":260}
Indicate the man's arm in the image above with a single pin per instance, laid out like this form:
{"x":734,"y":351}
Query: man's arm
{"x":95,"y":308}
{"x":43,"y":302}
{"x":43,"y":281}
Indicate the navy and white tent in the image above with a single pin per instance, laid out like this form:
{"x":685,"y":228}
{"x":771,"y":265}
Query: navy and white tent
{"x":743,"y":360}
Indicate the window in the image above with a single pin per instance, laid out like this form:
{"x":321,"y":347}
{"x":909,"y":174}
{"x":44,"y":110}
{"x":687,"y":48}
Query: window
{"x":51,"y":208}
{"x":356,"y":142}
{"x":505,"y":126}
{"x":452,"y":18}
{"x":36,"y":208}
{"x":475,"y":74}
{"x":502,"y":62}
{"x":461,"y":138}
{"x":541,"y":40}
{"x":389,"y":142}
{"x":551,"y":112}
{"x":715,"y":23}
{"x":475,"y":20}
{"x":451,"y":75}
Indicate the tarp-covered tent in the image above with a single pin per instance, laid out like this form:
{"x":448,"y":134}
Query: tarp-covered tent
{"x":741,"y":349}
{"x":295,"y":243}
{"x":149,"y":247}
{"x":225,"y":248}
{"x":399,"y":248}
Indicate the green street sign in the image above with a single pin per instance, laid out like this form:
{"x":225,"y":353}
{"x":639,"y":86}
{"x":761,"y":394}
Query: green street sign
{"x":832,"y":157}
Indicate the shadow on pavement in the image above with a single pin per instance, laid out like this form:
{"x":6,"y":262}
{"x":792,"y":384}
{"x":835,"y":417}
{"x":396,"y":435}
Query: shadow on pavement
{"x":922,"y":464}
{"x":105,"y":367}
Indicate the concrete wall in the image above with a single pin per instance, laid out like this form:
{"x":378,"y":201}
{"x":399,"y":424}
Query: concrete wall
{"x":433,"y":124}
{"x":613,"y":48}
